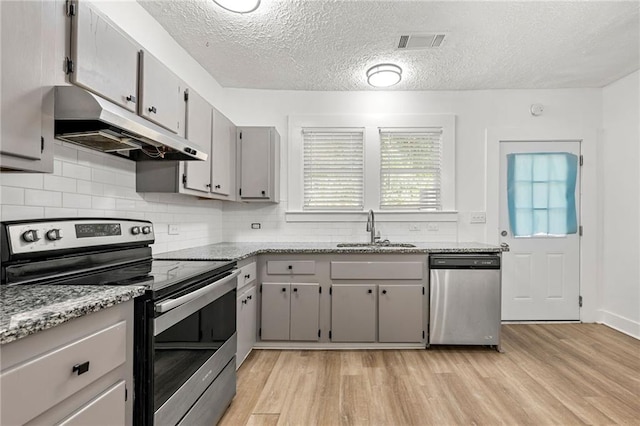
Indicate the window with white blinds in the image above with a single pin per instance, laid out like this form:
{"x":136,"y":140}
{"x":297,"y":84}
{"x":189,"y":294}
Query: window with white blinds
{"x":333,"y":169}
{"x":411,"y":168}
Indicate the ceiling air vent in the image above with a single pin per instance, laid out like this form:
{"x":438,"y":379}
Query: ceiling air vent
{"x":420,"y":41}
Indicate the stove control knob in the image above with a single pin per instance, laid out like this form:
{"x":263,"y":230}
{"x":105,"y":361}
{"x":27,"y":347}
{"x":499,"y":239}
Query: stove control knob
{"x":54,"y":235}
{"x":146,"y":230}
{"x":135,"y":230}
{"x":31,"y":236}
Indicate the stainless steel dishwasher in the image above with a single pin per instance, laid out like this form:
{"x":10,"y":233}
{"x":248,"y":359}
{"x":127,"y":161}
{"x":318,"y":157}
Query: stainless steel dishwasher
{"x":465,"y":299}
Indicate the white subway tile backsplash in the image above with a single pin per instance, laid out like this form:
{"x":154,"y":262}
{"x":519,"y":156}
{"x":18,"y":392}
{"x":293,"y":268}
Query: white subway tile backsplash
{"x":59,"y":183}
{"x":91,"y":213}
{"x":21,"y":212}
{"x":103,"y":176}
{"x":11,"y":195}
{"x":23,"y":180}
{"x":122,"y":204}
{"x":35,"y":197}
{"x":103,"y":203}
{"x":51,"y":212}
{"x":57,"y":167}
{"x":76,"y":171}
{"x":90,"y":188}
{"x":70,"y":200}
{"x":90,"y":159}
{"x":65,"y":153}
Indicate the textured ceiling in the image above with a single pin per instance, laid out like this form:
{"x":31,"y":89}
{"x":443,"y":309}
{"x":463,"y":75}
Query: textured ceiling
{"x":329,"y":44}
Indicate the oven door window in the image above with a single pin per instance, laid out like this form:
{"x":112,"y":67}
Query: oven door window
{"x":182,"y":349}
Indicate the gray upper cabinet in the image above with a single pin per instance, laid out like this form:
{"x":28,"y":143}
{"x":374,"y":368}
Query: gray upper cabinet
{"x":198,"y":130}
{"x":26,"y":88}
{"x":258,"y":164}
{"x":161,"y":93}
{"x":224,"y":157}
{"x":104,"y":60}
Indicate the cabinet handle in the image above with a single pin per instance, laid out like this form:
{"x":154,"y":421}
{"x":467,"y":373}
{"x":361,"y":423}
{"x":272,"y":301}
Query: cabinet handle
{"x":384,"y":291}
{"x":208,"y":185}
{"x":153,"y":109}
{"x":295,"y":290}
{"x":249,"y":297}
{"x":247,"y":276}
{"x":369,"y":291}
{"x":264,"y":192}
{"x":217,"y":186}
{"x":290,"y":267}
{"x":244,"y":302}
{"x":81,"y":368}
{"x":131,"y":98}
{"x":284,"y":289}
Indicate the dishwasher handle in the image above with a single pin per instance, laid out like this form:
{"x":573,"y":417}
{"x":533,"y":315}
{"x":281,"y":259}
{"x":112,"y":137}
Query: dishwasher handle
{"x":464,"y":261}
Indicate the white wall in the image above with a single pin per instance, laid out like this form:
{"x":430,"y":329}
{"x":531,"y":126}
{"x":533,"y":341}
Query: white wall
{"x":621,"y":205}
{"x":475,"y":111}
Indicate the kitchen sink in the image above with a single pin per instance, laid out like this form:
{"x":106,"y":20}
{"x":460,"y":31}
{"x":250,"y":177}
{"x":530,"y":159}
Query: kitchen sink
{"x":380,"y":244}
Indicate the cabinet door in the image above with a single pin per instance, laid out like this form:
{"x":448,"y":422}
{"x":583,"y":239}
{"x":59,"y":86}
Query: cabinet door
{"x":24,"y":44}
{"x":223,"y":166}
{"x":305,"y":311}
{"x":255,"y":159}
{"x":353,"y":313}
{"x":246,"y":321}
{"x":275,"y":311}
{"x":400,"y":313}
{"x":105,"y":60}
{"x":199,"y":125}
{"x":108,"y":408}
{"x":160,"y":93}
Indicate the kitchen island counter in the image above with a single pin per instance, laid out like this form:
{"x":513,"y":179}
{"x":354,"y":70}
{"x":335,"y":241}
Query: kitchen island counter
{"x":241,"y":250}
{"x":28,"y":309}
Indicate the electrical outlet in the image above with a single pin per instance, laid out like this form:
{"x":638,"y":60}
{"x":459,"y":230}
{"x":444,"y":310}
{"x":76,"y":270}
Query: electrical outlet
{"x":174,"y":229}
{"x":433,"y":227}
{"x":256,"y":226}
{"x":478,"y":217}
{"x":414,"y":227}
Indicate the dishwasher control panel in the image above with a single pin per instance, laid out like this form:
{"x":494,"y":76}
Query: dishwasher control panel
{"x":465,"y":261}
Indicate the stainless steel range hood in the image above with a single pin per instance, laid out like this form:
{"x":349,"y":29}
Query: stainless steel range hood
{"x":86,"y":119}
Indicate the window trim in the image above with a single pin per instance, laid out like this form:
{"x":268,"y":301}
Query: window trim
{"x":371,"y":124}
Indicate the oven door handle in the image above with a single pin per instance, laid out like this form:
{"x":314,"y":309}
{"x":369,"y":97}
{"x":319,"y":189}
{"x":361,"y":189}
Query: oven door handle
{"x":173,"y":303}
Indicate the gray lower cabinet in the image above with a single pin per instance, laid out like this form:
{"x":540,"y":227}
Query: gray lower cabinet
{"x":353,"y":313}
{"x":246,"y":323}
{"x":290,"y":311}
{"x":77,"y":373}
{"x":400,"y":313}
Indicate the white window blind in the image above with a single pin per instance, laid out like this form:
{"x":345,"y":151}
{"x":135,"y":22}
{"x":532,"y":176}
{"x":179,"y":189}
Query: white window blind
{"x":410,"y":168}
{"x":333,"y":169}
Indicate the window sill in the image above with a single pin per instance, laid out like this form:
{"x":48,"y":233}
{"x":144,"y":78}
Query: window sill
{"x":380,"y":216}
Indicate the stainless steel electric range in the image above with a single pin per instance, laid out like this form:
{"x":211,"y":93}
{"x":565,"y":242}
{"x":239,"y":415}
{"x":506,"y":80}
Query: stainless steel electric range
{"x":185,"y":324}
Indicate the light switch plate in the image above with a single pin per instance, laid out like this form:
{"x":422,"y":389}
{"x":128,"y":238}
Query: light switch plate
{"x":478,"y":217}
{"x":256,"y":226}
{"x":174,"y":229}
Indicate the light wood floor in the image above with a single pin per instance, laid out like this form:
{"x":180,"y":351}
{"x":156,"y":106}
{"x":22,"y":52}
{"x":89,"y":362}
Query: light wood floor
{"x":549,"y":374}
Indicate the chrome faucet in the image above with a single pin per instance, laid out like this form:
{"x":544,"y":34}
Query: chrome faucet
{"x":371,"y":226}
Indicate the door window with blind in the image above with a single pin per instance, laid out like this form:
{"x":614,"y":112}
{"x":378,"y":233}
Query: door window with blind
{"x":333,"y":169}
{"x":410,"y":169}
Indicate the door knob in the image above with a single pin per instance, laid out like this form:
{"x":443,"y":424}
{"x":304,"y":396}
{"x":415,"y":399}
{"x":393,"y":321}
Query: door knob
{"x":504,"y":233}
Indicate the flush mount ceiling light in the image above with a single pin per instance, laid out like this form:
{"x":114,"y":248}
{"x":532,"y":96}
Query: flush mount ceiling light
{"x":238,"y":6}
{"x":384,"y":75}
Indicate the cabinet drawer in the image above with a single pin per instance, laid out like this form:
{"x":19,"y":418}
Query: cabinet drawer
{"x":108,"y":408}
{"x":377,"y":270}
{"x":284,"y":267}
{"x":42,"y":382}
{"x":247,"y":274}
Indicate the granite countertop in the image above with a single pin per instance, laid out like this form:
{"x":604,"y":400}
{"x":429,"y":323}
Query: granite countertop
{"x":28,"y":309}
{"x":239,"y":251}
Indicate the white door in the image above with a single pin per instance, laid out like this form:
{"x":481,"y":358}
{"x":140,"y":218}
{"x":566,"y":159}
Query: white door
{"x":539,"y":220}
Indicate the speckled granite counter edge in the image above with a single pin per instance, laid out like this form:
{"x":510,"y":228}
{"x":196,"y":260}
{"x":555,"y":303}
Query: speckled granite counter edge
{"x":44,"y":317}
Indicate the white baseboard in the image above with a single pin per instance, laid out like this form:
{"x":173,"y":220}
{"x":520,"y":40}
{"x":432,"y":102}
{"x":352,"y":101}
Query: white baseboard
{"x":622,"y":324}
